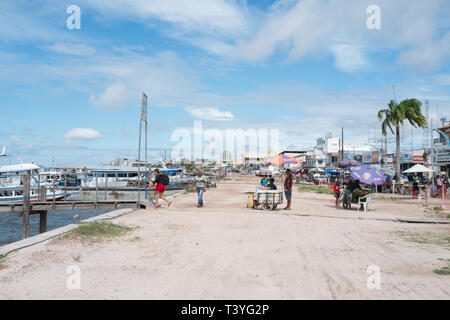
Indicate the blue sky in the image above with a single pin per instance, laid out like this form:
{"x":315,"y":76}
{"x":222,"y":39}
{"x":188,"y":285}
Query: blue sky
{"x":304,"y":67}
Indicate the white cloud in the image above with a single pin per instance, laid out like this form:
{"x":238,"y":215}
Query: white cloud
{"x":210,"y":114}
{"x":112,"y":98}
{"x":296,"y":28}
{"x":204,"y":16}
{"x":428,"y":57}
{"x":349,"y":57}
{"x":83,"y":134}
{"x":72,"y":49}
{"x":14,"y":139}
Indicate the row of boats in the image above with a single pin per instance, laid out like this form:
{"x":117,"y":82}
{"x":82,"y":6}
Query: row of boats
{"x":62,"y":183}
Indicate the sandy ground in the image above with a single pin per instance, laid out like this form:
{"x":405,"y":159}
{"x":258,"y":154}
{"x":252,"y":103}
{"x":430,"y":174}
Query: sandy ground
{"x":226,"y":251}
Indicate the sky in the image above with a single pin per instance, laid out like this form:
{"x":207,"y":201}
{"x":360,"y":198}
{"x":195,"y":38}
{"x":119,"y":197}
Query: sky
{"x":305,"y":67}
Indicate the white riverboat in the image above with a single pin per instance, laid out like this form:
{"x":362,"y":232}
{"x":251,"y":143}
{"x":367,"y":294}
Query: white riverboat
{"x":12,"y":189}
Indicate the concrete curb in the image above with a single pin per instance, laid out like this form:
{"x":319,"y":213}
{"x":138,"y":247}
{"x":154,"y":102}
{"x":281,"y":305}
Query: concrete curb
{"x":7,"y":249}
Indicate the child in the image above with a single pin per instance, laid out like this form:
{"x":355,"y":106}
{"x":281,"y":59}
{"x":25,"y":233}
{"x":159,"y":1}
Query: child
{"x":271,"y":185}
{"x":337,"y":192}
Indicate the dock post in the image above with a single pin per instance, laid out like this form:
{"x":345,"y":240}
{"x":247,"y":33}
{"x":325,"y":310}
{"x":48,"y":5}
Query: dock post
{"x":96,"y":194}
{"x":26,"y":206}
{"x":43,"y":221}
{"x":106,"y":185}
{"x":65,"y":186}
{"x":43,"y":213}
{"x":54,"y":192}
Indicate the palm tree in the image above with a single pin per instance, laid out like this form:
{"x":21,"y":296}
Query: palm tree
{"x":394,"y":116}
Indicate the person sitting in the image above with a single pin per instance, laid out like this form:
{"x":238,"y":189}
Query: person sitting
{"x":352,"y":185}
{"x":263,"y":181}
{"x":271,"y":185}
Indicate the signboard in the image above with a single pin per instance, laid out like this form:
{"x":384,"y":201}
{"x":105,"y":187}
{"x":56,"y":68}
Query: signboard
{"x":443,"y":157}
{"x":375,"y":157}
{"x":418,"y":159}
{"x":144,"y":108}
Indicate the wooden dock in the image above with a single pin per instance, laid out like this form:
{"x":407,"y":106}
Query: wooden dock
{"x":72,"y":205}
{"x":26,"y":208}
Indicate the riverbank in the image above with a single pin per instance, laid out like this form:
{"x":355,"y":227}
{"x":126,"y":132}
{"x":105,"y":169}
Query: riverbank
{"x":226,"y":251}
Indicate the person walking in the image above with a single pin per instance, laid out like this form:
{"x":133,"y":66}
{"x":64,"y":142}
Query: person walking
{"x":160,"y":182}
{"x":337,"y":191}
{"x":439,"y":182}
{"x":200,"y":186}
{"x":288,"y":182}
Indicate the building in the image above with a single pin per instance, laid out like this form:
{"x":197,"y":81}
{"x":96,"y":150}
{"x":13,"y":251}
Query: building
{"x":409,"y":159}
{"x":226,"y":157}
{"x":441,"y":150}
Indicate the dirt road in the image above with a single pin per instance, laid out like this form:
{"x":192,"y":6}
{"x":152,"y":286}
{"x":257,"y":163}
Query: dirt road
{"x":226,"y":251}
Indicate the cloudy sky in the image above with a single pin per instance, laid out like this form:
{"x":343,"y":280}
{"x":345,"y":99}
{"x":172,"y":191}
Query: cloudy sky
{"x":304,"y":67}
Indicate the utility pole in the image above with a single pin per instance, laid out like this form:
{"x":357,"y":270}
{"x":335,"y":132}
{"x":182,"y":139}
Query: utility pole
{"x":143,"y":118}
{"x":342,"y":139}
{"x":432,"y":153}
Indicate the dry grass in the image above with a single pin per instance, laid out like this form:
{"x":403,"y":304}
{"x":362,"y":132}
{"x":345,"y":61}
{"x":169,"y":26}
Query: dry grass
{"x":95,"y":232}
{"x":424,"y":238}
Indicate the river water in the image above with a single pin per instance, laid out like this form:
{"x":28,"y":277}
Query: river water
{"x":11,"y":224}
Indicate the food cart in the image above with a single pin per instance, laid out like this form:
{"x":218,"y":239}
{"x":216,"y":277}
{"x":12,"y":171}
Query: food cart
{"x":265,"y":199}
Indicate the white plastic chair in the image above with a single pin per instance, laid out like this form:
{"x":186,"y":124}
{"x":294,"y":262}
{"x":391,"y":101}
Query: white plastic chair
{"x":365,"y":203}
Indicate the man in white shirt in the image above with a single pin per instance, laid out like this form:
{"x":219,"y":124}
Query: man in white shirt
{"x":200,"y":186}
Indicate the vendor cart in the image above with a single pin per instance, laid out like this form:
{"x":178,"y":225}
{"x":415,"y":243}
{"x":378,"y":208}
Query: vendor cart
{"x":266,"y":199}
{"x":361,"y":198}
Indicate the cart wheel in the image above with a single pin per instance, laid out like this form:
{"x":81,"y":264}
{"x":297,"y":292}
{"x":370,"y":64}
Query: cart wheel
{"x":267,"y":205}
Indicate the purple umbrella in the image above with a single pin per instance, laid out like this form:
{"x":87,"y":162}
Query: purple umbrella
{"x":367,"y":175}
{"x":378,"y":177}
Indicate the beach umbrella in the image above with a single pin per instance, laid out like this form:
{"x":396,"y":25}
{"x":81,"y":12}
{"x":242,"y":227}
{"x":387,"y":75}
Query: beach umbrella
{"x":367,"y":175}
{"x":348,"y":163}
{"x":379,"y":176}
{"x":282,"y":159}
{"x":418,"y":168}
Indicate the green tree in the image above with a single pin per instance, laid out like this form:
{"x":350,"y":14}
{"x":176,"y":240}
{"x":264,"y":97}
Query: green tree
{"x":190,"y":166}
{"x":393,"y":118}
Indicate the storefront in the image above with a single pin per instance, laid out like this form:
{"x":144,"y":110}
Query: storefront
{"x":443,"y":160}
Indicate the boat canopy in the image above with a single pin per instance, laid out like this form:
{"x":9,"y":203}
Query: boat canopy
{"x":19,"y":168}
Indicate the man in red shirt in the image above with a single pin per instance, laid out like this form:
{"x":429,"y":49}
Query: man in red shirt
{"x":337,"y":192}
